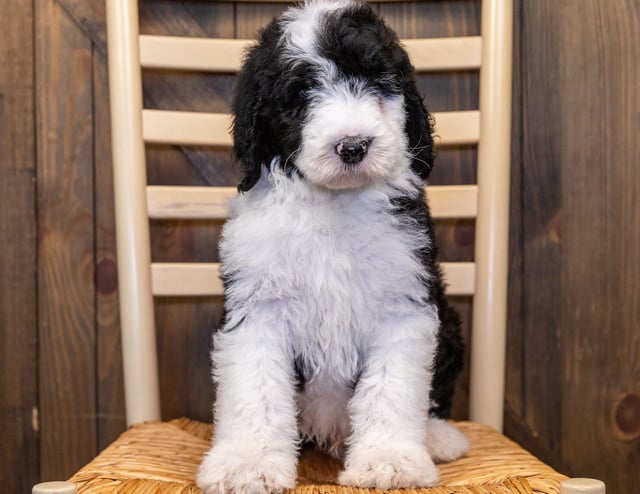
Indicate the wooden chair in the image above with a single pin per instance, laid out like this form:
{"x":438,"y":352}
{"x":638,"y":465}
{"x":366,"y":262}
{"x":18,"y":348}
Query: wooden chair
{"x":153,"y":456}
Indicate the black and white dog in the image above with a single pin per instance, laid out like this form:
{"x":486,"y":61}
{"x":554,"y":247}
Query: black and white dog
{"x":337,"y":330}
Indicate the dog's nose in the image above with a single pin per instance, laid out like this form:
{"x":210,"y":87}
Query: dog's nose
{"x":352,"y":149}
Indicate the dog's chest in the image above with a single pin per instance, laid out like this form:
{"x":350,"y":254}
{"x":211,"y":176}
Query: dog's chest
{"x":329,"y":268}
{"x":337,"y":261}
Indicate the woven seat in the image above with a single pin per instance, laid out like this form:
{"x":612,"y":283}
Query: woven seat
{"x":164,"y":457}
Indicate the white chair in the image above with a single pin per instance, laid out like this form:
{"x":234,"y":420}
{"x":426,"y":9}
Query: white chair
{"x":154,"y":456}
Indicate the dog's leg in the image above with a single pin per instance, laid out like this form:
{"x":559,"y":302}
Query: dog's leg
{"x":255,"y":441}
{"x":387,"y":447}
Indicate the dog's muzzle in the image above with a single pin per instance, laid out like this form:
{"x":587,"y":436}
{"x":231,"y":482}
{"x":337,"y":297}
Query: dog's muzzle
{"x":352,"y":150}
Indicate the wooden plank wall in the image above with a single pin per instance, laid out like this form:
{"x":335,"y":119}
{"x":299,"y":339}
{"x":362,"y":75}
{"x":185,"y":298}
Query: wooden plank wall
{"x":575,"y":309}
{"x":18,"y":308}
{"x":573,"y":379}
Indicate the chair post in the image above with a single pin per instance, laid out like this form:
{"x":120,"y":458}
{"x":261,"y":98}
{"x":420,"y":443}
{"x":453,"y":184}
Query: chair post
{"x":488,"y":343}
{"x":56,"y":487}
{"x":582,"y":486}
{"x":132,"y":225}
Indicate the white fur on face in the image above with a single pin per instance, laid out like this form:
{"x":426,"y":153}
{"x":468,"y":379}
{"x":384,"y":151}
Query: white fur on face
{"x":341,"y":110}
{"x":301,"y":25}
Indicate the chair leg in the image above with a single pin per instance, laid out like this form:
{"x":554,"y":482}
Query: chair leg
{"x":55,"y":488}
{"x":582,"y":486}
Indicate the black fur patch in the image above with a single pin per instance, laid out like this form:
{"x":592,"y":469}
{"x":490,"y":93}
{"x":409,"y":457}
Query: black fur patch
{"x":268,"y":108}
{"x":449,"y":358}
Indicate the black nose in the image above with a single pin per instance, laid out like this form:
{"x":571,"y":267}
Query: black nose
{"x":352,"y":149}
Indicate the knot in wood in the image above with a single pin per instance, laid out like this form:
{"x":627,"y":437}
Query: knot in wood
{"x":626,"y":417}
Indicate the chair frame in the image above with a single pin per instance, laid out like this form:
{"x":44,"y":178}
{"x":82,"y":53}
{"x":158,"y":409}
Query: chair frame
{"x":135,"y":203}
{"x":139,"y":353}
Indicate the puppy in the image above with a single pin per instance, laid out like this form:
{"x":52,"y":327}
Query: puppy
{"x":337,"y":330}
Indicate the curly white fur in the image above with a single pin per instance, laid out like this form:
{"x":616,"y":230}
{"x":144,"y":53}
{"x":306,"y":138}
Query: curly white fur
{"x":322,"y":275}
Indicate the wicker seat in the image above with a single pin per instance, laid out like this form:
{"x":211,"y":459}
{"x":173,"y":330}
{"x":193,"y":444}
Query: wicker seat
{"x":164,"y":457}
{"x":153,"y":456}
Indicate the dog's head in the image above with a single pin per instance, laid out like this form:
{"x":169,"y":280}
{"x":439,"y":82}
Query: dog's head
{"x":329,"y":93}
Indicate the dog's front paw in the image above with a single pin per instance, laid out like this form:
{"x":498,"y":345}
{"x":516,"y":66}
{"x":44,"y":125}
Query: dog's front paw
{"x":243,"y":469}
{"x":389,"y":468}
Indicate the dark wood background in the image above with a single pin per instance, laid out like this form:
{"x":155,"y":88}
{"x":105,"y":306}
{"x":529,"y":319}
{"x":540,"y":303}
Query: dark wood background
{"x":573,"y":373}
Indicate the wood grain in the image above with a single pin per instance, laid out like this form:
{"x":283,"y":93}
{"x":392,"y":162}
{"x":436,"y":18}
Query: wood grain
{"x":535,"y":238}
{"x":599,"y":49}
{"x":18,"y":324}
{"x":66,"y":243}
{"x":249,"y":19}
{"x":514,"y":387}
{"x":110,"y":384}
{"x":16,"y":88}
{"x":90,"y":17}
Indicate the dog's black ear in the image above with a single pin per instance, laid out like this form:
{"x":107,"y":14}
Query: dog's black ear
{"x":253,"y":139}
{"x":419,"y":123}
{"x":419,"y":129}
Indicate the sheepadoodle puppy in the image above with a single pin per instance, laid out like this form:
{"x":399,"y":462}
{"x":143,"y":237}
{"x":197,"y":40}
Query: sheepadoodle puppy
{"x":337,"y":330}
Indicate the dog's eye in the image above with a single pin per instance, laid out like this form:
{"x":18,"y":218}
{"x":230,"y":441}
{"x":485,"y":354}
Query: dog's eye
{"x":299,"y":96}
{"x":299,"y":93}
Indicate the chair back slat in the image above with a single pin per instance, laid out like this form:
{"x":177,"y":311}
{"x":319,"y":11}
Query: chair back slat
{"x":203,"y":279}
{"x":212,"y":129}
{"x":225,"y":55}
{"x":192,"y":202}
{"x":453,"y":201}
{"x":186,"y":279}
{"x":188,"y":202}
{"x":198,"y":54}
{"x":439,"y":54}
{"x":454,"y":128}
{"x":187,"y":128}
